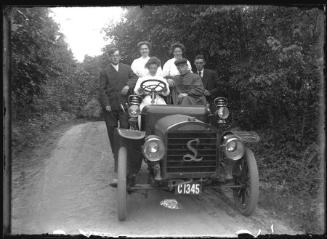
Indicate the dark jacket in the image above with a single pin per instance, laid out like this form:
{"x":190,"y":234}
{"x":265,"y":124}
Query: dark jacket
{"x":112,"y":82}
{"x":212,"y":83}
{"x":190,"y":84}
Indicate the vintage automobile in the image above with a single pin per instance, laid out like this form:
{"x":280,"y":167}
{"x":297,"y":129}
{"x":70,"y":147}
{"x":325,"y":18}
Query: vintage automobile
{"x":186,"y":149}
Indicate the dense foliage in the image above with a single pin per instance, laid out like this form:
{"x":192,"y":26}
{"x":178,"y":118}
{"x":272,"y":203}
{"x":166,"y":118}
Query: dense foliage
{"x":48,"y":86}
{"x":272,"y":58}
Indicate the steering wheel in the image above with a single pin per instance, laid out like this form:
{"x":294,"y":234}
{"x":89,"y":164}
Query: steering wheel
{"x":153,"y":86}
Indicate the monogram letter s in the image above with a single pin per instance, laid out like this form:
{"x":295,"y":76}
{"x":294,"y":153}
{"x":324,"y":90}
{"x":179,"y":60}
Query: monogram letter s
{"x":190,"y":157}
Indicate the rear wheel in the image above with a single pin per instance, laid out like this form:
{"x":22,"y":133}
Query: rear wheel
{"x":121,"y":187}
{"x":245,"y":173}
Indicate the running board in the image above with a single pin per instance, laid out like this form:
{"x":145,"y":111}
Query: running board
{"x":143,"y":187}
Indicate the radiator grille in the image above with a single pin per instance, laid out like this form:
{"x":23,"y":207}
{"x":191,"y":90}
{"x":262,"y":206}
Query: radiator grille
{"x":177,"y":148}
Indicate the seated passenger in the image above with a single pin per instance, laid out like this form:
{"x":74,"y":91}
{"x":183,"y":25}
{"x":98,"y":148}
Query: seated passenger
{"x":153,"y":64}
{"x":187,"y":87}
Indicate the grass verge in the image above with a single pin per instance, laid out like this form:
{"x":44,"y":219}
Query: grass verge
{"x":31,"y":133}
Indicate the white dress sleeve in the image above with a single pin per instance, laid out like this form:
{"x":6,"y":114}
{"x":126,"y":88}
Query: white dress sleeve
{"x":189,"y":66}
{"x":137,"y":85}
{"x":167,"y":92}
{"x":166,"y":69}
{"x":133,"y":66}
{"x":159,"y":71}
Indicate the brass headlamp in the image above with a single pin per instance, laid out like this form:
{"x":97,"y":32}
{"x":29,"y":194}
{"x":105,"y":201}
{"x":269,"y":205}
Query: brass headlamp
{"x":222,"y":111}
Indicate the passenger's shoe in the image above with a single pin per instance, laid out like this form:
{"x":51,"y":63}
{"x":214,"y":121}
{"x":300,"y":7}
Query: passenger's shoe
{"x":114,"y":183}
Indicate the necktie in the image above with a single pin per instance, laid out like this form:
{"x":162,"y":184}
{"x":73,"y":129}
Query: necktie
{"x":199,"y":72}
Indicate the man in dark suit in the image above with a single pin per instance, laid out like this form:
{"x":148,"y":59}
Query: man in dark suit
{"x":116,"y":81}
{"x":213,"y":87}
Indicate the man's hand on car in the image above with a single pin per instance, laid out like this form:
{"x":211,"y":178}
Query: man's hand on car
{"x":108,"y":108}
{"x":171,"y":82}
{"x":124,"y":91}
{"x":207,"y":93}
{"x":141,"y":91}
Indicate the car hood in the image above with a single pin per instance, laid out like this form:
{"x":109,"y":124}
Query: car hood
{"x":181,"y":123}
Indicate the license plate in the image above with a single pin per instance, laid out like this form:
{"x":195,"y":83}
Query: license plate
{"x":188,"y":188}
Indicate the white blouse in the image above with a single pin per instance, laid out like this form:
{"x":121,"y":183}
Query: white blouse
{"x":138,"y":67}
{"x":170,"y":69}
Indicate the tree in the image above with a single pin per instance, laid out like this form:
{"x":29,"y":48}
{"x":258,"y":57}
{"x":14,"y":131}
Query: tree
{"x":268,"y":54}
{"x":40,"y":58}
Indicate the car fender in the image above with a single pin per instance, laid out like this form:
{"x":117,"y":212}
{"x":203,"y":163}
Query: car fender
{"x":133,"y":141}
{"x":131,"y":134}
{"x":245,"y":136}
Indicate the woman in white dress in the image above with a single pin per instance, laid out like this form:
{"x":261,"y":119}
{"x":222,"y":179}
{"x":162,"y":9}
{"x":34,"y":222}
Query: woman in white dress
{"x":138,"y":65}
{"x":152,"y":65}
{"x":169,"y":69}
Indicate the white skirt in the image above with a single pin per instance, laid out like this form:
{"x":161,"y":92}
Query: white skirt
{"x":147,"y":101}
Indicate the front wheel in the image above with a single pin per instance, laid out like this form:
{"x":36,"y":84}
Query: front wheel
{"x":121,"y":187}
{"x":245,"y":173}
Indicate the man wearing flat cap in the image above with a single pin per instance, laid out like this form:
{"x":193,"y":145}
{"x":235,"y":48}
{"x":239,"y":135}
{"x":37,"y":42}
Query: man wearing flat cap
{"x":188,"y":87}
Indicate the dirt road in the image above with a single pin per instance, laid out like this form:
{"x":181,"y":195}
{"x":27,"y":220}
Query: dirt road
{"x":68,"y":190}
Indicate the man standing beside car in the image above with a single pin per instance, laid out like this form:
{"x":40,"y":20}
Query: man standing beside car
{"x":213,"y":87}
{"x":116,"y":81}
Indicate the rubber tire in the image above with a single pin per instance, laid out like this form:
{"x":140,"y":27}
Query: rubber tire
{"x":253,"y":185}
{"x":121,"y":187}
